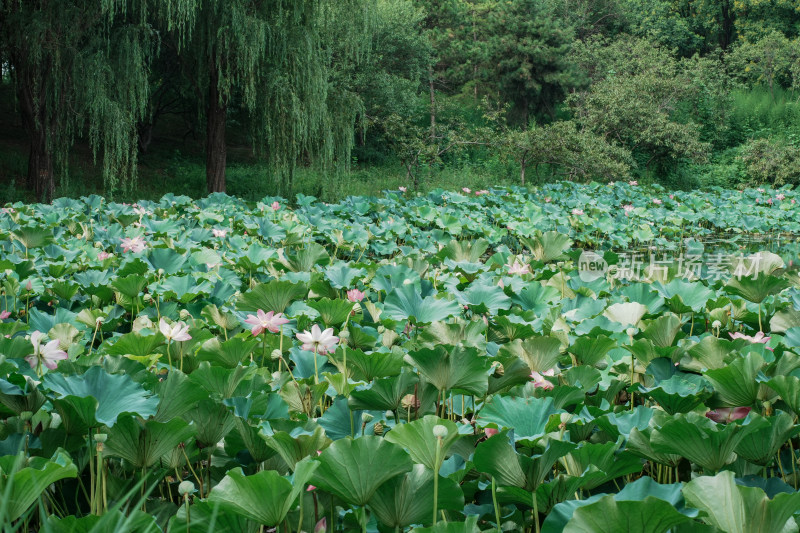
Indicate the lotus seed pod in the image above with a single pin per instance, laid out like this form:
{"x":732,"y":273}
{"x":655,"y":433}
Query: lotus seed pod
{"x":185,"y":314}
{"x":499,"y":370}
{"x":388,"y":414}
{"x":275,"y":354}
{"x":186,"y":487}
{"x":716,"y":324}
{"x":409,"y":402}
{"x":161,"y":272}
{"x":439,"y":431}
{"x":101,"y":437}
{"x":147,"y":297}
{"x":377,"y":429}
{"x":367,"y":418}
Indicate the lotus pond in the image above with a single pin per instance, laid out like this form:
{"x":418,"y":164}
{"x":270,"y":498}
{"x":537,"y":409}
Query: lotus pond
{"x":576,"y":358}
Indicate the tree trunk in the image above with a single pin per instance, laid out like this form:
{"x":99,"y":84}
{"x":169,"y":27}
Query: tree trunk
{"x":216,"y":115}
{"x":433,"y":103}
{"x":40,"y":176}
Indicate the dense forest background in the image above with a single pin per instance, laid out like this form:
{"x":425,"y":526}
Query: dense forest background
{"x":136,"y":98}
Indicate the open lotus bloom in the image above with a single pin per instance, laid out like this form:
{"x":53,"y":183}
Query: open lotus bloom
{"x":176,"y":332}
{"x":758,"y":338}
{"x":266,"y":321}
{"x":355,"y":295}
{"x":49,"y":355}
{"x":540,"y":382}
{"x":134,"y":244}
{"x":322,"y":342}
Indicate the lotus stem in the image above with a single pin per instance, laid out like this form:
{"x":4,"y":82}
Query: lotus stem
{"x":437,"y":464}
{"x":495,"y":505}
{"x":535,"y":512}
{"x":169,"y":357}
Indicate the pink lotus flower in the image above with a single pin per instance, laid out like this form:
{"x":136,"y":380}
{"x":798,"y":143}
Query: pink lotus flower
{"x":322,"y":342}
{"x":102,"y":256}
{"x":633,"y":183}
{"x":627,"y":208}
{"x":269,"y":321}
{"x":519,"y":268}
{"x":547,"y":200}
{"x":540,"y":382}
{"x":310,"y":488}
{"x":724,"y":415}
{"x":4,"y":314}
{"x":760,"y":189}
{"x":276,"y":206}
{"x":219,"y":232}
{"x":577,"y":212}
{"x":656,"y":201}
{"x":49,"y":355}
{"x":402,"y":189}
{"x":501,"y":284}
{"x":481,"y":192}
{"x":321,"y":526}
{"x":135,"y":245}
{"x":355,"y":295}
{"x":758,"y":338}
{"x":671,"y":196}
{"x":466,"y":189}
{"x":769,"y":201}
{"x":176,"y":332}
{"x":780,"y":196}
{"x":490,"y":432}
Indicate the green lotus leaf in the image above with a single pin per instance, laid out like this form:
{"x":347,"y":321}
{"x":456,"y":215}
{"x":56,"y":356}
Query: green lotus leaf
{"x":143,"y":443}
{"x":449,"y":368}
{"x":405,"y":302}
{"x":23,"y":480}
{"x":408,"y":499}
{"x":102,"y":397}
{"x":264,"y":497}
{"x":417,"y":437}
{"x":383,"y":394}
{"x":736,"y":509}
{"x":353,"y":470}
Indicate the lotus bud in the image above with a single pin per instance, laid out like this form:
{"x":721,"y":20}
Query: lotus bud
{"x":276,"y":354}
{"x":25,"y":416}
{"x":55,"y":420}
{"x":185,"y":314}
{"x":161,"y":272}
{"x":344,"y":335}
{"x":101,"y":438}
{"x":630,"y":332}
{"x":716,"y":324}
{"x":186,"y":487}
{"x":377,"y":429}
{"x":440,"y":431}
{"x":388,"y":414}
{"x":499,"y":370}
{"x":381,"y":329}
{"x":276,"y":376}
{"x":367,"y":418}
{"x":148,"y":297}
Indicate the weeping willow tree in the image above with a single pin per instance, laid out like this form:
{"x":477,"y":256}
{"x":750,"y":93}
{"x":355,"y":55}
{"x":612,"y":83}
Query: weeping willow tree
{"x":79,"y":68}
{"x":277,"y":59}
